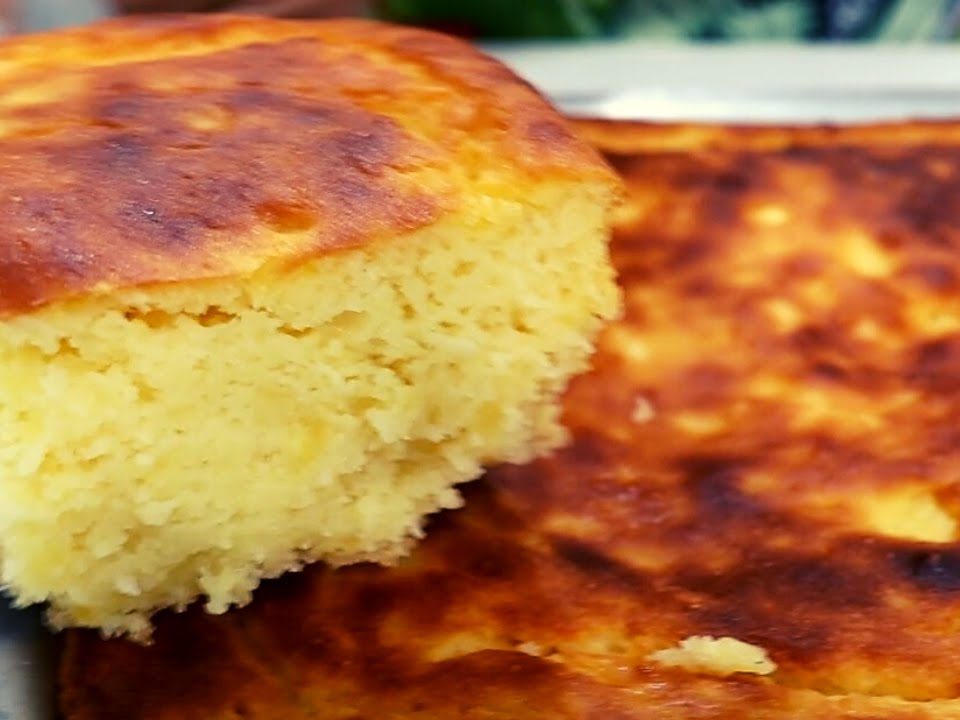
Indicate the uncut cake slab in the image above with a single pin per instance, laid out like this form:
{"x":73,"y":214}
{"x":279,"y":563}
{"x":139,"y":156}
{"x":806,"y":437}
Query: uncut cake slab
{"x":756,"y":516}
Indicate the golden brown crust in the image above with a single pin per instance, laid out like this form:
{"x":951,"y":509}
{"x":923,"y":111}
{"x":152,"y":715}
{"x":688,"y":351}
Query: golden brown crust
{"x":615,"y":136}
{"x":143,"y":151}
{"x":790,"y":354}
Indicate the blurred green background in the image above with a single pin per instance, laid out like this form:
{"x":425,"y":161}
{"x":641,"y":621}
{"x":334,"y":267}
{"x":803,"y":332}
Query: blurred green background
{"x":864,"y":20}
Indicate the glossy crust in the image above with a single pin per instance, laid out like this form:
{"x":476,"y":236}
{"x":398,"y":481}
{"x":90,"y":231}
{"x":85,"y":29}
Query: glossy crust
{"x":788,"y":367}
{"x":178,"y":148}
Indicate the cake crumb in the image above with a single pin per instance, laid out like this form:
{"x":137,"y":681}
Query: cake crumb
{"x":716,"y":656}
{"x":643,"y":411}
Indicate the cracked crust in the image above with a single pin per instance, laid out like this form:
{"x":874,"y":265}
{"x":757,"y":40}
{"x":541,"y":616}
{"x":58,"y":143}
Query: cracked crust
{"x":179,"y":148}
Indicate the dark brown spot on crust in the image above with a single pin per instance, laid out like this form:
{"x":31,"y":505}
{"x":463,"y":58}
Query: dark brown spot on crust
{"x":594,"y":564}
{"x":286,"y":217}
{"x":935,"y":276}
{"x":935,"y":365}
{"x":932,"y":569}
{"x":713,"y":484}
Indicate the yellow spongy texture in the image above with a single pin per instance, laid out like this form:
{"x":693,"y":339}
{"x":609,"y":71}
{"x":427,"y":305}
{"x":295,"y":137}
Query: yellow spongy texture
{"x":165,"y":443}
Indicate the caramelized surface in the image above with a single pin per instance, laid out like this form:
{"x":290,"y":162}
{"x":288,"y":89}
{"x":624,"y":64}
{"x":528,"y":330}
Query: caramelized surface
{"x":142,"y":151}
{"x":767,"y":449}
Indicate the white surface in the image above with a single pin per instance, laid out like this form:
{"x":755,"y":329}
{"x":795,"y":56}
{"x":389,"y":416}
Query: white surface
{"x":613,"y":67}
{"x":744,"y":83}
{"x":764,"y":106}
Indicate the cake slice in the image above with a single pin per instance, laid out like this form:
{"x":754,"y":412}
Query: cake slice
{"x":269,"y":290}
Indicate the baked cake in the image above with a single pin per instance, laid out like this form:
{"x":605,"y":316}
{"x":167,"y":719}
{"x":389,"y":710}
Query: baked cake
{"x":756,"y":518}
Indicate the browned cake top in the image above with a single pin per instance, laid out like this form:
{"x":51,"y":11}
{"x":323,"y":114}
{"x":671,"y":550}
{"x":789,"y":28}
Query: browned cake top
{"x":767,"y":448}
{"x":147,"y":151}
